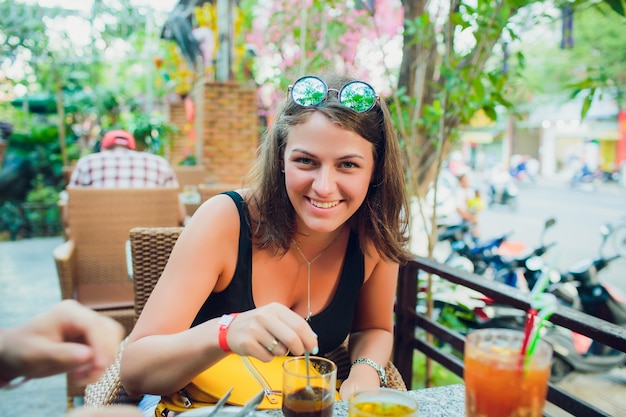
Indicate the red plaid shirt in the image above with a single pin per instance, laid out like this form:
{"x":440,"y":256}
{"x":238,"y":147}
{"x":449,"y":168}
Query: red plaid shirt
{"x":123,"y":168}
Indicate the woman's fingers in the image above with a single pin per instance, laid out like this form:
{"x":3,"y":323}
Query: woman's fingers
{"x":271,"y":330}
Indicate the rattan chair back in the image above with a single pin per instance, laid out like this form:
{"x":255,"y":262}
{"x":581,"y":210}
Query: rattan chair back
{"x":150,"y":248}
{"x":100,"y":220}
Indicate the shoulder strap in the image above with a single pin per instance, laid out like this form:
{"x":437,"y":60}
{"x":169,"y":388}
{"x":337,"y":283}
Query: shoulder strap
{"x":241,"y":208}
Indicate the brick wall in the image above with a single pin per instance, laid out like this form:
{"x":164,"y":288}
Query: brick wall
{"x":230,"y":131}
{"x":181,"y":144}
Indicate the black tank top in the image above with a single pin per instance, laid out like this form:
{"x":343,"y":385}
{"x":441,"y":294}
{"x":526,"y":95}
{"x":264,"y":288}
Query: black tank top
{"x":332,"y":325}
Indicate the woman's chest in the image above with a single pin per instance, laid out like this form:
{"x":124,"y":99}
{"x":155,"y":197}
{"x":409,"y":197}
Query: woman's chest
{"x":305,"y":287}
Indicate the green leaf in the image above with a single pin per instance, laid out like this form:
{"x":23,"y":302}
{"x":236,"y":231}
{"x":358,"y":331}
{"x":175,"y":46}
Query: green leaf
{"x":617,"y":6}
{"x":490,"y":111}
{"x":478,"y":87}
{"x":587,"y":104}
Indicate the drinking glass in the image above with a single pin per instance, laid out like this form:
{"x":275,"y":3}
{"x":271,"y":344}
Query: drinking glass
{"x":498,"y":380}
{"x":312,"y":393}
{"x":190,"y":195}
{"x":382,"y":402}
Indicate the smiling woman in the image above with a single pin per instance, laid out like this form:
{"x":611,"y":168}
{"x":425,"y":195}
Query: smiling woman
{"x":327,"y":174}
{"x":303,"y":259}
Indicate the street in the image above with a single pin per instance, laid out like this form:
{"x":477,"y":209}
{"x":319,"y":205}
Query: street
{"x":579,"y":216}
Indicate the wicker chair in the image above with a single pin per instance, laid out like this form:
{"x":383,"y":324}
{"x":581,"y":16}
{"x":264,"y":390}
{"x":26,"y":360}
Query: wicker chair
{"x":92,"y":265}
{"x":151,"y":248}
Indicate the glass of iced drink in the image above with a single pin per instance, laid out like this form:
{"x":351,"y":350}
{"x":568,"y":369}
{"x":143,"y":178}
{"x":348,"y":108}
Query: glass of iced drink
{"x":309,"y":391}
{"x":499,"y":382}
{"x":382,"y":402}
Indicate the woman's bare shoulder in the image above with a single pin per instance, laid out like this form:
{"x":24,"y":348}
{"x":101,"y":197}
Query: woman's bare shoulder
{"x":374,"y":261}
{"x":217,"y":215}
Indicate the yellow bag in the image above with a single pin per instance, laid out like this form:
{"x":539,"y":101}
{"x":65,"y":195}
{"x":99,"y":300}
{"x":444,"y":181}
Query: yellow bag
{"x":246,"y":375}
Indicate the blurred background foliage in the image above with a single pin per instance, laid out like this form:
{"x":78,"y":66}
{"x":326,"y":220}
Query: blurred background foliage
{"x":436,"y":63}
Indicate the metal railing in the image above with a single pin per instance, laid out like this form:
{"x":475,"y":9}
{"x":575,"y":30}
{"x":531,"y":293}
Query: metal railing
{"x":407,"y":317}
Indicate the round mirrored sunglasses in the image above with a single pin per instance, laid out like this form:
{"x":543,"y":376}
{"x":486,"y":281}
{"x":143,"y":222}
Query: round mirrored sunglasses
{"x":356,"y":95}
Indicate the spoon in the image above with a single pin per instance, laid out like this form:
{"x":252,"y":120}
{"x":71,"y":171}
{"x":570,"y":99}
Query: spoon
{"x":308,"y":390}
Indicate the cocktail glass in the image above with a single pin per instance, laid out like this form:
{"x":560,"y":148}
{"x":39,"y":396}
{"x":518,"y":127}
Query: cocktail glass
{"x":499,"y":382}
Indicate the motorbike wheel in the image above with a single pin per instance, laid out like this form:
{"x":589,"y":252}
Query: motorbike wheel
{"x":559,"y":369}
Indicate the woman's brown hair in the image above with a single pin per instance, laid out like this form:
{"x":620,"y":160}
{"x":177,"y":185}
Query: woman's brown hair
{"x":381,"y":220}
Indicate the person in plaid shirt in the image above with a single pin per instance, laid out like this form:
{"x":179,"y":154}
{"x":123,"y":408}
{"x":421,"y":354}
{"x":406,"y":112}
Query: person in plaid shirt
{"x":119,"y":165}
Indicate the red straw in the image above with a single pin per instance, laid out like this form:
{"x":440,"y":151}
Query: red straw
{"x":531,"y":318}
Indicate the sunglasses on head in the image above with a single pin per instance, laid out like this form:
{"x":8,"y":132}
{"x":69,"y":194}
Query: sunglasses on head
{"x":310,"y":91}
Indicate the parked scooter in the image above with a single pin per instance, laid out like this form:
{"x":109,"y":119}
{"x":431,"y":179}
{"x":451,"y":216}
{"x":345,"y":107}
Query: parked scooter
{"x":469,"y":308}
{"x":501,"y":189}
{"x":468,"y":253}
{"x":523,"y":271}
{"x":574,"y":352}
{"x":579,"y":288}
{"x":584,"y":179}
{"x":505,"y":195}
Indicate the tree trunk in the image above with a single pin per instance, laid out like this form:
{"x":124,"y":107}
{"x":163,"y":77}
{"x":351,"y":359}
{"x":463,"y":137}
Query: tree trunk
{"x":61,"y":118}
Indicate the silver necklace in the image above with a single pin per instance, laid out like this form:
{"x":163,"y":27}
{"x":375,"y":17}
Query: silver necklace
{"x":308,"y":273}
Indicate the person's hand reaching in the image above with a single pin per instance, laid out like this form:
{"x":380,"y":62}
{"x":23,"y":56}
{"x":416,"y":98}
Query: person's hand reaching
{"x":67,"y":338}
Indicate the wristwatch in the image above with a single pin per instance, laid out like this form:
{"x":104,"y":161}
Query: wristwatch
{"x":381,"y":371}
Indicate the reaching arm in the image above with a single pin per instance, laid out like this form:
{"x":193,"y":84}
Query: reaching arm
{"x":67,"y":338}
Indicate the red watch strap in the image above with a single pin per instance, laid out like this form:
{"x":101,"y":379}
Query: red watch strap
{"x":225,"y":322}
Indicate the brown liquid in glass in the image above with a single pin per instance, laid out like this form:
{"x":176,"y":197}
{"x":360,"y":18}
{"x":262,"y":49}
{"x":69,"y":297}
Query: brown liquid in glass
{"x":318,"y":403}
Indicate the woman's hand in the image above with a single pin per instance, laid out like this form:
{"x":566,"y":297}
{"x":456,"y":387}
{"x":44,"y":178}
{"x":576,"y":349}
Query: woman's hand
{"x":361,"y":377}
{"x":271,"y":330}
{"x":67,"y":338}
